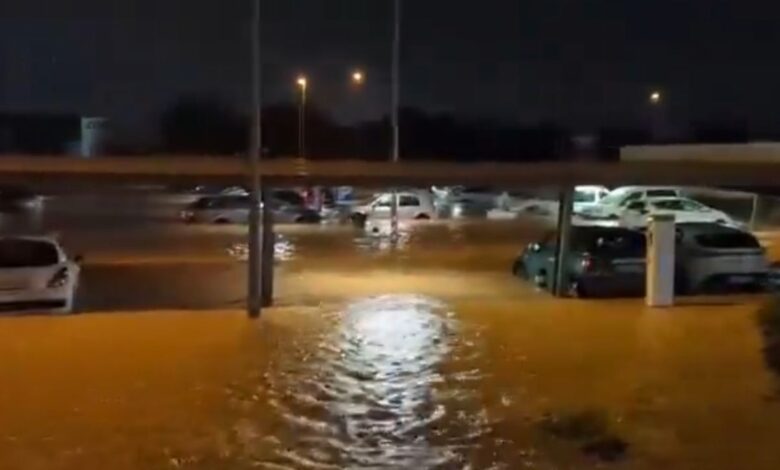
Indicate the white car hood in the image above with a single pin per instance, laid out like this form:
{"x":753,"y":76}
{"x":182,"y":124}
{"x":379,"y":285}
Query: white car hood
{"x":14,"y":279}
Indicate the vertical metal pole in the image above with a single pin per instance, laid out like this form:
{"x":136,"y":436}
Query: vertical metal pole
{"x":302,"y":122}
{"x":565,"y":209}
{"x":254,"y":301}
{"x":755,"y":211}
{"x":396,"y":97}
{"x":267,"y":251}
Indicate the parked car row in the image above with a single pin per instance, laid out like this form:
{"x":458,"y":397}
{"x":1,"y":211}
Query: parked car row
{"x":610,"y":261}
{"x":287,"y":206}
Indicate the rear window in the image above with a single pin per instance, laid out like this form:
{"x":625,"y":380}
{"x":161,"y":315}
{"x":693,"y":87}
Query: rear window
{"x":204,"y":203}
{"x":27,"y":253}
{"x":289,"y":197}
{"x":409,"y":201}
{"x":661,"y":193}
{"x":727,"y":240}
{"x":584,"y":196}
{"x":622,"y":243}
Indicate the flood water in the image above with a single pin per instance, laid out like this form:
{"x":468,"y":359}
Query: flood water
{"x":421,"y":355}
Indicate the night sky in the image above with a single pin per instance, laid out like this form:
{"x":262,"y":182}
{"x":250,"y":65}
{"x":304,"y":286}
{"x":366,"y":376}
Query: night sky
{"x":581,"y":63}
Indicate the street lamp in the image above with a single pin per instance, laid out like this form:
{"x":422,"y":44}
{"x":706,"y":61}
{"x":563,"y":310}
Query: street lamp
{"x":357,"y":77}
{"x":303,"y":84}
{"x":655,"y":97}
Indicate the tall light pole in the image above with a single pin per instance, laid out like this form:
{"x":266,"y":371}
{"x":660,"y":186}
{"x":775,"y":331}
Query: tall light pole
{"x":303,"y":85}
{"x":396,"y":99}
{"x":254,"y":300}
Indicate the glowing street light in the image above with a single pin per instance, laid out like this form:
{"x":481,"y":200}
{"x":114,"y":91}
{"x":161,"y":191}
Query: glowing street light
{"x":302,"y":83}
{"x":357,"y":77}
{"x":655,"y":97}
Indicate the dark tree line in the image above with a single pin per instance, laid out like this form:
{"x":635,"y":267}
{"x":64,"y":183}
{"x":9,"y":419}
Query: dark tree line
{"x":202,"y":124}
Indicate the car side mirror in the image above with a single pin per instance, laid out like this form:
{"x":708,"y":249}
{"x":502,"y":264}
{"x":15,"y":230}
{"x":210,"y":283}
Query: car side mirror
{"x":78,"y":259}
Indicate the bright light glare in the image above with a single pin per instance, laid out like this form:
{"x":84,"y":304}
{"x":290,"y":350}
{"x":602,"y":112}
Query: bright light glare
{"x":358,"y":77}
{"x":655,"y":97}
{"x":302,"y":82}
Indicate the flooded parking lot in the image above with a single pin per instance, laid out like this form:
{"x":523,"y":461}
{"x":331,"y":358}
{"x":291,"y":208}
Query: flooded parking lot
{"x":421,"y":354}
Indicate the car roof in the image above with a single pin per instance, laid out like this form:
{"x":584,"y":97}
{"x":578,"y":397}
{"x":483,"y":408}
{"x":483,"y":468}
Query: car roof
{"x":670,"y":198}
{"x":646,"y":188}
{"x":590,"y":187}
{"x":707,"y":227}
{"x":31,"y":238}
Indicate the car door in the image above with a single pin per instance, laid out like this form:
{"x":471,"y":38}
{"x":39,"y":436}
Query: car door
{"x":380,"y":208}
{"x":408,"y":206}
{"x":635,"y":214}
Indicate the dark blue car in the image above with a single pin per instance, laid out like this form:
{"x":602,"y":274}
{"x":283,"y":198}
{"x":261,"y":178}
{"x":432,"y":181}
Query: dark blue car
{"x":604,"y":261}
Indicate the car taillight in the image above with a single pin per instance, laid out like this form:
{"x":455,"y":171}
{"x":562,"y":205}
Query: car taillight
{"x":59,"y":279}
{"x":587,"y":263}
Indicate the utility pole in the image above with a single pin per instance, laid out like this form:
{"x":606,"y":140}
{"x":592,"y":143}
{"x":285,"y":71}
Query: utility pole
{"x":254,"y":297}
{"x":396,"y":99}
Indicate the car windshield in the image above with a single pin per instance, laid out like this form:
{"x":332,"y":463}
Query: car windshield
{"x":615,"y":197}
{"x":584,"y":196}
{"x":678,"y":205}
{"x":731,"y":239}
{"x":14,"y":193}
{"x":204,"y":203}
{"x":19,"y":253}
{"x":616,"y":243}
{"x":289,"y":197}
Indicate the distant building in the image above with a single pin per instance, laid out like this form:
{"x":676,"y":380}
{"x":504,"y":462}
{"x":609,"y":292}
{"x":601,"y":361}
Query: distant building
{"x":52,"y":134}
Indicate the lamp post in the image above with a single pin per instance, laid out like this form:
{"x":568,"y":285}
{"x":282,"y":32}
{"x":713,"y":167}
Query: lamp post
{"x":396,"y":98}
{"x":303,"y":85}
{"x":254,"y":294}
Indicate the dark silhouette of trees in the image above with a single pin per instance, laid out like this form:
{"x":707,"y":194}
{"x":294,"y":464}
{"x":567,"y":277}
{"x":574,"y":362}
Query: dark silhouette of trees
{"x":203,"y":124}
{"x":720,"y":131}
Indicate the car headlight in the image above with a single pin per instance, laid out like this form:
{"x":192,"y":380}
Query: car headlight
{"x":60,"y":278}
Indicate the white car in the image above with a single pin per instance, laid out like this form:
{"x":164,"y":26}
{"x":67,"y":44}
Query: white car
{"x":474,"y":195}
{"x":637,"y":214}
{"x":587,"y":196}
{"x":36,"y":274}
{"x":584,"y":196}
{"x":610,"y":206}
{"x":412,"y":205}
{"x":713,"y":256}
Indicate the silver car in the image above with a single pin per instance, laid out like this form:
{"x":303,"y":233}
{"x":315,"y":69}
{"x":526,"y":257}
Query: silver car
{"x":235,"y":210}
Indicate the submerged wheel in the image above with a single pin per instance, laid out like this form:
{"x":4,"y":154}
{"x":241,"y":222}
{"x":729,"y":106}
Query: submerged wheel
{"x":540,"y":279}
{"x":576,"y":290}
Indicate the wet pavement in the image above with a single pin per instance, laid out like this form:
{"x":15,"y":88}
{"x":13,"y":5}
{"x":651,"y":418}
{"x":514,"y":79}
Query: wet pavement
{"x":423,"y":354}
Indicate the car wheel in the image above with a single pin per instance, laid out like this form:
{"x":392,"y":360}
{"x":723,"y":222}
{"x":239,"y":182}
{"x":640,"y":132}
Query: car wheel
{"x":422,"y":217}
{"x":576,"y":290}
{"x":681,"y":283}
{"x":540,"y":279}
{"x":518,"y":269}
{"x":358,"y":219}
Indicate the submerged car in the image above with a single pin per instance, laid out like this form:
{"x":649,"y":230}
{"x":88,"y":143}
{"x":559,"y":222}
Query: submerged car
{"x":603,"y":261}
{"x":412,"y":205}
{"x":638,"y":213}
{"x":610,"y":206}
{"x":36,"y":274}
{"x":14,"y":199}
{"x":235,"y":210}
{"x":713,"y":256}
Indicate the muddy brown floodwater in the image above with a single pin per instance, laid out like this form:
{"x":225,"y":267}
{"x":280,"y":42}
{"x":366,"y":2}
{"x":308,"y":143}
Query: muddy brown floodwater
{"x":427,"y":356}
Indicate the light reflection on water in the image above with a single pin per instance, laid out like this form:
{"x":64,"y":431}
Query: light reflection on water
{"x":366,"y":396}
